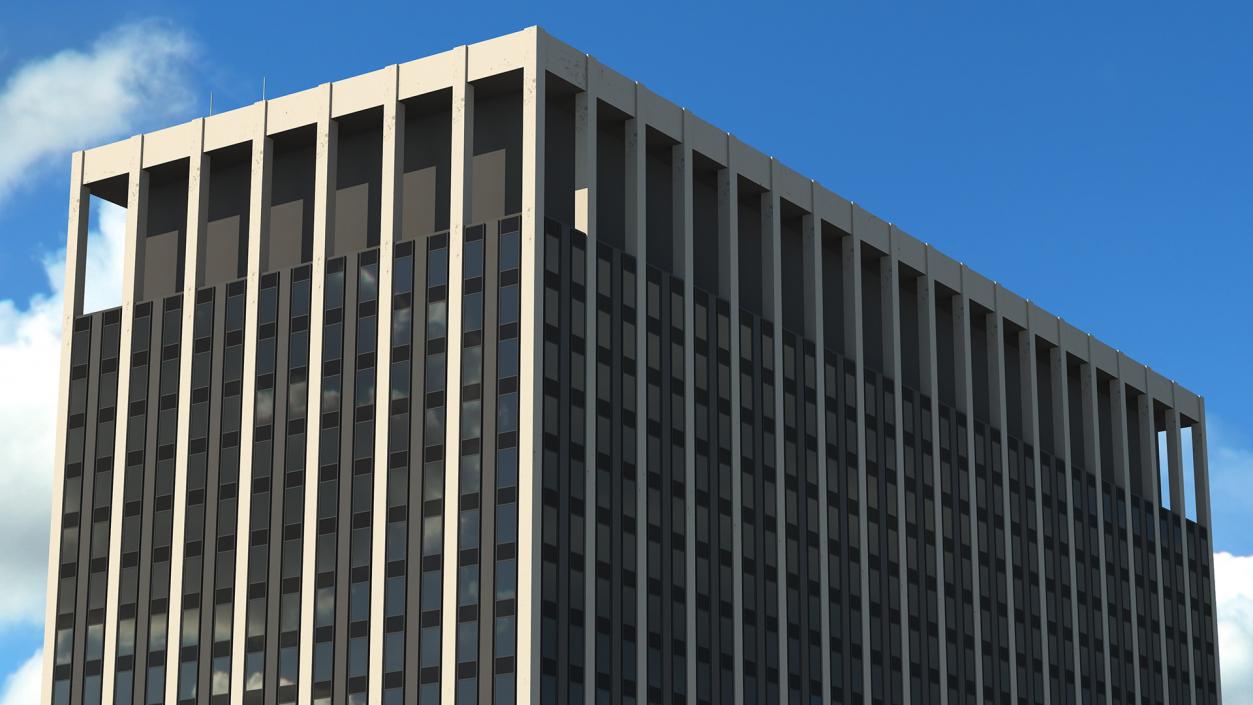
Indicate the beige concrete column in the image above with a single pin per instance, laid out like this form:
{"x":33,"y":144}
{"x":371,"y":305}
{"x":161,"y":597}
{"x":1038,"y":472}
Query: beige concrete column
{"x":1174,"y":469}
{"x":1030,"y":366}
{"x":1058,"y":376}
{"x":530,"y":395}
{"x":772,"y":292}
{"x":1200,"y":470}
{"x":1148,"y":449}
{"x":258,"y":229}
{"x":1122,"y":460}
{"x":931,"y":386}
{"x":683,"y":229}
{"x":323,"y":217}
{"x":71,"y":308}
{"x":459,"y":220}
{"x":197,"y":215}
{"x":889,"y":278}
{"x":1000,"y":411}
{"x":389,"y":227}
{"x":854,"y":332}
{"x":1092,"y":448}
{"x":637,"y":244}
{"x":811,"y":228}
{"x":136,"y":203}
{"x":729,"y":267}
{"x":585,"y":159}
{"x":1174,"y":444}
{"x":965,"y":382}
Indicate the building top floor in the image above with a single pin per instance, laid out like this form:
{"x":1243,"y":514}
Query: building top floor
{"x":104,"y":170}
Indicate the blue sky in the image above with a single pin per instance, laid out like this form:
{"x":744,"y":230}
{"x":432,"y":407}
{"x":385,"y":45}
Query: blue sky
{"x":1096,"y":159}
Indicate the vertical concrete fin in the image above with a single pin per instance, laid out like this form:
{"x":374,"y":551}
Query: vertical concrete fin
{"x":586,"y":136}
{"x":1000,"y":412}
{"x":729,"y":272}
{"x":531,"y":364}
{"x":1148,"y":449}
{"x":811,"y":227}
{"x":889,"y":278}
{"x":323,"y":216}
{"x":1179,"y":508}
{"x":637,"y":244}
{"x":459,"y":219}
{"x":1174,"y":465}
{"x":1122,"y":457}
{"x":197,"y":215}
{"x":1200,"y":451}
{"x":1031,"y":378}
{"x":389,"y":226}
{"x":966,"y":400}
{"x":135,"y":198}
{"x":1092,"y":449}
{"x":685,"y":221}
{"x":258,"y":232}
{"x":931,"y":386}
{"x":772,"y":291}
{"x":1059,"y":378}
{"x":855,"y":333}
{"x":71,"y":308}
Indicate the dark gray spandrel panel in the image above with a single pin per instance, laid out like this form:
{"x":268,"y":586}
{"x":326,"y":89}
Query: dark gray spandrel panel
{"x":833,"y":288}
{"x":944,"y":350}
{"x":911,"y":347}
{"x":792,"y":265}
{"x":559,"y":158}
{"x":428,"y":155}
{"x":162,"y":265}
{"x":1013,"y":384}
{"x":980,"y":365}
{"x":359,"y":167}
{"x":223,"y":250}
{"x":751,"y":275}
{"x":1105,"y":411}
{"x":162,"y":253}
{"x":659,"y":209}
{"x":496,"y":173}
{"x":488,"y":179}
{"x":421,"y":196}
{"x":706,"y":247}
{"x":355,"y":207}
{"x":611,"y":183}
{"x":872,"y":315}
{"x":290,"y":238}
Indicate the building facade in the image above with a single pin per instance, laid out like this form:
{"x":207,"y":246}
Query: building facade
{"x":495,"y":378}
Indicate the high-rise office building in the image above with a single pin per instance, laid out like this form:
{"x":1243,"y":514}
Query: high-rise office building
{"x":495,"y":378}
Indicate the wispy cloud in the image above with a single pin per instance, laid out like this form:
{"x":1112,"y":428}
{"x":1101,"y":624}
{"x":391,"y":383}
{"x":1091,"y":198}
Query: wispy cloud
{"x":22,"y":686}
{"x":129,"y":76}
{"x":1233,"y":587}
{"x":29,"y":362}
{"x":78,"y":97}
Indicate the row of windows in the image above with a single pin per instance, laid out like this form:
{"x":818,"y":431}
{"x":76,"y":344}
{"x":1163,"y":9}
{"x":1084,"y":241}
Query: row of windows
{"x":86,"y":508}
{"x":415,"y":481}
{"x":563,"y":488}
{"x":759,"y":513}
{"x":1056,"y":644}
{"x":488,"y":463}
{"x":713,"y":500}
{"x":197,"y":482}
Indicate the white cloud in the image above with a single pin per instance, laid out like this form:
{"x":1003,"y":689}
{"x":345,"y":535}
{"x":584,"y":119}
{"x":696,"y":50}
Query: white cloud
{"x":77,"y":98}
{"x":22,"y":686}
{"x":130,"y":75}
{"x":29,"y":372}
{"x":1233,"y":587}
